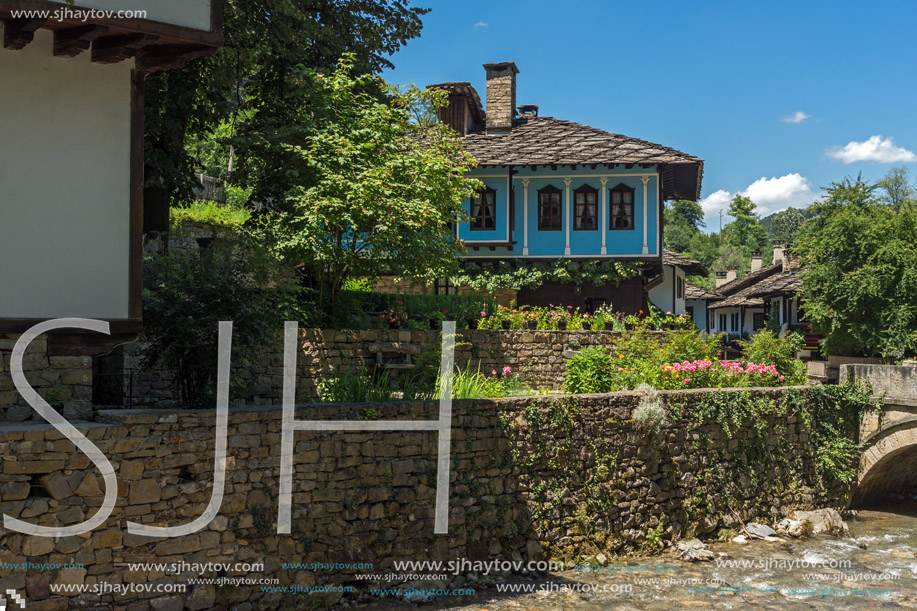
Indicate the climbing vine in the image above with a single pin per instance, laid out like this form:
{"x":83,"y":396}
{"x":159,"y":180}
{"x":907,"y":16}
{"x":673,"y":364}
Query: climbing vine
{"x":505,"y":275}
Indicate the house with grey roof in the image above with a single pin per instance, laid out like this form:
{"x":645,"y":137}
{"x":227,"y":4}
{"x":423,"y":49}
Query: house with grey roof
{"x":744,"y":305}
{"x":556,"y":189}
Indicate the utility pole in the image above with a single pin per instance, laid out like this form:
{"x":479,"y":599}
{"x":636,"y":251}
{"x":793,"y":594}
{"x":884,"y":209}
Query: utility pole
{"x":721,"y":223}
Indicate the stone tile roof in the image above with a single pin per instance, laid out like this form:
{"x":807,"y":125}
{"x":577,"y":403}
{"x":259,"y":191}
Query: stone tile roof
{"x":748,"y":279}
{"x":691,"y":267}
{"x":550,"y":141}
{"x":786,"y":283}
{"x":750,"y":290}
{"x":695,"y":291}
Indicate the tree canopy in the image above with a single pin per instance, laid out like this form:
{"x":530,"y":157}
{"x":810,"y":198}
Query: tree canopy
{"x":382,"y":188}
{"x":250,"y":95}
{"x":861,"y":257}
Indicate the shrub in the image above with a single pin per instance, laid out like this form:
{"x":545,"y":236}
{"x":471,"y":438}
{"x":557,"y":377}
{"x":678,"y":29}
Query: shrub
{"x":186,"y":296}
{"x":766,"y":347}
{"x":590,"y":371}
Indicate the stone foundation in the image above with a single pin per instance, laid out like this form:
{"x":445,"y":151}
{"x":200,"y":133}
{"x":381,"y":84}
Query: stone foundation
{"x":560,"y":477}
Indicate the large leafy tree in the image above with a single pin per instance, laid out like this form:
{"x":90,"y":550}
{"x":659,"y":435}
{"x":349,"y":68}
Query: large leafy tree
{"x":251,"y":89}
{"x":745,"y":231}
{"x":383,"y":187}
{"x":861,"y":257}
{"x":687,"y":212}
{"x":786,"y":224}
{"x":896,"y":188}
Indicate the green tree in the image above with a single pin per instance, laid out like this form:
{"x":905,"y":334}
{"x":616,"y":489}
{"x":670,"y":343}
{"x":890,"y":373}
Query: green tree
{"x":745,"y":231}
{"x":252,"y":87}
{"x":896,"y":187}
{"x":861,"y":257}
{"x":786,"y":224}
{"x":383,"y":188}
{"x":689,"y":212}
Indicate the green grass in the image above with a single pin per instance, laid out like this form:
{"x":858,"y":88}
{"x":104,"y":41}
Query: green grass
{"x":212,"y":213}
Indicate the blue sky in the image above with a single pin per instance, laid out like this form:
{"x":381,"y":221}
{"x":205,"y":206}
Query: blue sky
{"x":778,"y":98}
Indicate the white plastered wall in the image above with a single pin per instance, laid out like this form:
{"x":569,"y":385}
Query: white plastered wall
{"x":64,"y":184}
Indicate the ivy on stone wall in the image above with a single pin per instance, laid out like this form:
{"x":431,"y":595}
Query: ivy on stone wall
{"x":504,"y":275}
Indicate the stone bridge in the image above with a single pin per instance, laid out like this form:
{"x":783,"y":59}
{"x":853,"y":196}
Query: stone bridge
{"x":888,"y":464}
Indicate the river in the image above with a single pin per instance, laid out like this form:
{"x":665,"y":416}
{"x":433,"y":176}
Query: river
{"x":876,"y":567}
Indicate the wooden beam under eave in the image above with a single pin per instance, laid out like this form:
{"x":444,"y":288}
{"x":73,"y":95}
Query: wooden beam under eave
{"x":157,"y":58}
{"x":113,"y":49}
{"x":73,"y":41}
{"x":17,"y":33}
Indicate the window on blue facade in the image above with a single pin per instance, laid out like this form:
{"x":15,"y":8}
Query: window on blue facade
{"x":585,"y":208}
{"x":484,"y":211}
{"x":622,"y":208}
{"x":549,"y":209}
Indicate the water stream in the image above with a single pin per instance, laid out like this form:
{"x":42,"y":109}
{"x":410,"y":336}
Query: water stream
{"x":876,"y":567}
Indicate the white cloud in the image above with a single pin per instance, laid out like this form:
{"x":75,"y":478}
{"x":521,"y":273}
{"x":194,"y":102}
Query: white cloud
{"x":775,"y":194}
{"x":796,"y":117}
{"x":716,"y":201}
{"x":770,"y":194}
{"x":877,"y":148}
{"x":481,"y":25}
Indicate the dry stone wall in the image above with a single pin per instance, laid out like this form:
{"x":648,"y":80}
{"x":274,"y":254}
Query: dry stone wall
{"x":65,"y":382}
{"x":561,"y":477}
{"x":538,"y":356}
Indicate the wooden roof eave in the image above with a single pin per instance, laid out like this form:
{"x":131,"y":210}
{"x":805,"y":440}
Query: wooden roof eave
{"x":157,"y":46}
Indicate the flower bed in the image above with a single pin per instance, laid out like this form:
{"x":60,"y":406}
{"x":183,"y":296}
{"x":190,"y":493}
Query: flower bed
{"x":684,"y":359}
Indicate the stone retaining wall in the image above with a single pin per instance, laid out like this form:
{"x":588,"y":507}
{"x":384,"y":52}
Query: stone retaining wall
{"x":565,"y":477}
{"x":65,"y":382}
{"x":538,"y":356}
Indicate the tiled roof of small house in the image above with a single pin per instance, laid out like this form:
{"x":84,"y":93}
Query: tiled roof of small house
{"x":730,"y":288}
{"x":786,"y":283}
{"x":742,"y":291}
{"x":691,"y":267}
{"x":549,"y":141}
{"x":695,"y":291}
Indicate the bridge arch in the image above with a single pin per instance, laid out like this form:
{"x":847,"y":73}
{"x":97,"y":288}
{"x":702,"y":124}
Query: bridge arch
{"x":888,"y":464}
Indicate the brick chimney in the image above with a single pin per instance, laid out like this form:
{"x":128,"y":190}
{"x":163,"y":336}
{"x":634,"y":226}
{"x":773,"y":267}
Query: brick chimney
{"x":501,"y":96}
{"x":720,"y":279}
{"x":730,"y":274}
{"x":755,"y":261}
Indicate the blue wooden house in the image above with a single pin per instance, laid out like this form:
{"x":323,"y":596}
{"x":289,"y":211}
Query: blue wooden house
{"x":558,"y":189}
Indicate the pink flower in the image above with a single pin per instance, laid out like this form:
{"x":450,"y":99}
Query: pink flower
{"x":483,"y":313}
{"x":686,"y":380}
{"x":507,"y":371}
{"x":494,"y":372}
{"x":781,"y":378}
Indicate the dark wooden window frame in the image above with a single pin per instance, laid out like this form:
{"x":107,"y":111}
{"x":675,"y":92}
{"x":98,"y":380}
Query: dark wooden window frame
{"x":758,"y":321}
{"x":622,"y":189}
{"x":577,"y":207}
{"x":546,"y":221}
{"x":479,"y":221}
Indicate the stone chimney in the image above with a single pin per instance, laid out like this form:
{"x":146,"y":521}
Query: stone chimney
{"x":779,"y":252}
{"x":755,"y":261}
{"x":720,"y":279}
{"x":501,"y":96}
{"x":730,"y":274}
